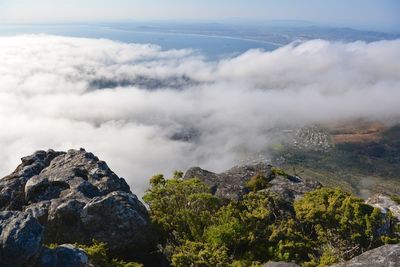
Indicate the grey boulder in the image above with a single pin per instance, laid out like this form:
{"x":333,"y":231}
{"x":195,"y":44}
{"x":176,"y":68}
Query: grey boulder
{"x":20,"y":238}
{"x":121,"y":220}
{"x":385,"y":204}
{"x":78,"y":198}
{"x":12,"y":196}
{"x":384,"y":256}
{"x":232,"y":183}
{"x":62,"y":256}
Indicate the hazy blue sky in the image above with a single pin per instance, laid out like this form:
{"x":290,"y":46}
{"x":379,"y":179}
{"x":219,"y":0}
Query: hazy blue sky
{"x":379,"y":14}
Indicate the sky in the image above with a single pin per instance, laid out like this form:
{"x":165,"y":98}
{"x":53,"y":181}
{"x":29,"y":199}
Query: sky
{"x":367,"y":14}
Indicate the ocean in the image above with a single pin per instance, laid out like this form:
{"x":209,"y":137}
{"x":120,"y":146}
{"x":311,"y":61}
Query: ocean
{"x":213,"y":47}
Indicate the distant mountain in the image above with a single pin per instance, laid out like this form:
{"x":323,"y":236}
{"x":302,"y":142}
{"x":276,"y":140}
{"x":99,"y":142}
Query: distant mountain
{"x":279,"y":33}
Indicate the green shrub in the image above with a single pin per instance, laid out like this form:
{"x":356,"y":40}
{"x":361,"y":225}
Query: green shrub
{"x":278,"y":171}
{"x":180,"y":208}
{"x":245,"y":263}
{"x":51,"y":246}
{"x":199,"y":229}
{"x":97,"y":253}
{"x":198,"y":254}
{"x":340,"y":222}
{"x":257,"y":182}
{"x":395,"y":199}
{"x":121,"y":263}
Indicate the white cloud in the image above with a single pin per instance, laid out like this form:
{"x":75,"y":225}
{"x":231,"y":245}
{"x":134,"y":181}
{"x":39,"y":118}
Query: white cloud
{"x":125,"y":102}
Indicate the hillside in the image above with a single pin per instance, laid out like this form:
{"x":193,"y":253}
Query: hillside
{"x":359,"y":156}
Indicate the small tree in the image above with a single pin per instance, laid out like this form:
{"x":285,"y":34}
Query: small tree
{"x":182,"y":209}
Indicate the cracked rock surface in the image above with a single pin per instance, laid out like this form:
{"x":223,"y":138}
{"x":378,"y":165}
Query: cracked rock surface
{"x":73,"y":197}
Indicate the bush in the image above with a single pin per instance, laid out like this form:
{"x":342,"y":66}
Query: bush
{"x":324,"y":227}
{"x":180,"y":208}
{"x":200,"y":254}
{"x":342,"y":224}
{"x":280,"y":172}
{"x":97,"y":253}
{"x":257,"y":182}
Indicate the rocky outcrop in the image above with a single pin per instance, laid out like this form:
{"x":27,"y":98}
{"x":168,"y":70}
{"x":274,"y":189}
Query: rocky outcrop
{"x":78,"y":199}
{"x":12,"y":195}
{"x":20,"y":238}
{"x":21,"y":244}
{"x":65,"y":255}
{"x":385,"y":204}
{"x":291,"y":187}
{"x":390,"y":212}
{"x":119,"y":219}
{"x":388,"y":255}
{"x":232,"y":183}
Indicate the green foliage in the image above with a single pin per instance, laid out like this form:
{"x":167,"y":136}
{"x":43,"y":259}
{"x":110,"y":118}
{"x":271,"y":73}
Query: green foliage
{"x":121,"y":263}
{"x":278,"y":171}
{"x":51,"y":246}
{"x":342,"y":224}
{"x":228,"y":233}
{"x":394,"y":225}
{"x":257,"y":182}
{"x":180,"y":208}
{"x":200,"y":254}
{"x":329,"y":257}
{"x":97,"y":253}
{"x":245,"y":263}
{"x":395,"y":199}
{"x":271,"y":232}
{"x":227,"y":228}
{"x":199,"y":229}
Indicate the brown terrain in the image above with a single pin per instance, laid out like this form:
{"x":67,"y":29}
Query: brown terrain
{"x":359,"y":156}
{"x":357,"y":132}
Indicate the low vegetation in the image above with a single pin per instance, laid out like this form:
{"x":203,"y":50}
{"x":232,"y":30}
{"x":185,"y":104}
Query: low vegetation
{"x":98,"y":255}
{"x":196,"y":228}
{"x":257,"y":182}
{"x":324,"y":227}
{"x":395,"y":198}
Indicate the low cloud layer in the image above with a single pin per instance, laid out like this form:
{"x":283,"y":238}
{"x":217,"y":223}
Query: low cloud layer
{"x":145,"y":110}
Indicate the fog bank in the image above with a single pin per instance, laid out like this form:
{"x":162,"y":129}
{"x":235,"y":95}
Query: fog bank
{"x":145,"y":110}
